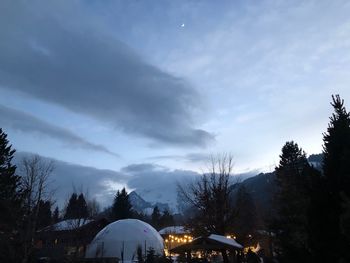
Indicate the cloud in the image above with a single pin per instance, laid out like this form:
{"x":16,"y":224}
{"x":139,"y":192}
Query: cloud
{"x":67,"y":177}
{"x":158,"y":184}
{"x":190,"y":157}
{"x":65,"y":58}
{"x":24,"y":122}
{"x":152,"y":182}
{"x":143,"y":167}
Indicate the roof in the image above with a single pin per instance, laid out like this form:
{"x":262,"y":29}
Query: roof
{"x":68,"y":224}
{"x":177,"y":230}
{"x":212,"y":242}
{"x":223,"y":239}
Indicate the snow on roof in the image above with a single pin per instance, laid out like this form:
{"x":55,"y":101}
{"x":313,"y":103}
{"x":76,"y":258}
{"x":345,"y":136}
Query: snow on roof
{"x":68,"y":224}
{"x":225,"y":240}
{"x":177,"y":230}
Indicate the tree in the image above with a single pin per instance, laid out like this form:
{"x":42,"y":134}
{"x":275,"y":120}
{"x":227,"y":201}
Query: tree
{"x":11,"y":197}
{"x":77,"y":207}
{"x":246,"y":221}
{"x":36,"y":173}
{"x":82,"y":207}
{"x":121,"y":208}
{"x":166,"y":219}
{"x":93,"y":207}
{"x":155,"y":218}
{"x":71,"y":209}
{"x":336,"y":169}
{"x":294,"y":178}
{"x":10,"y":194}
{"x":44,"y":214}
{"x":211,"y":199}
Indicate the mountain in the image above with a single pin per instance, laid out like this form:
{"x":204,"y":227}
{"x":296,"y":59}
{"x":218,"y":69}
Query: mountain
{"x":138,"y":203}
{"x":262,"y":187}
{"x":142,"y":206}
{"x":316,"y":160}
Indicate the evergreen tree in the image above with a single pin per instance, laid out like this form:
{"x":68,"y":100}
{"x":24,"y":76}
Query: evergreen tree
{"x":44,"y":214}
{"x":151,"y":256}
{"x":166,"y":219}
{"x":293,"y":202}
{"x":155,"y":218}
{"x":10,"y":195}
{"x":71,"y":209}
{"x":11,"y":199}
{"x":77,"y":207}
{"x":121,"y":208}
{"x":336,"y":169}
{"x":246,"y":221}
{"x":82,"y":208}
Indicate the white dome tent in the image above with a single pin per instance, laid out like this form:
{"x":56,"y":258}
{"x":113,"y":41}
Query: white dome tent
{"x":121,"y":239}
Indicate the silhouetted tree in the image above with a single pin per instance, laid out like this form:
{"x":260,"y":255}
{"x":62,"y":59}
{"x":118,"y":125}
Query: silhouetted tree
{"x":293,"y":198}
{"x":336,"y":169}
{"x":155,"y":218}
{"x":210,"y":197}
{"x":214,"y":211}
{"x":93,"y":208}
{"x":35,"y":177}
{"x":82,"y":207}
{"x":121,"y":208}
{"x":10,"y":202}
{"x":44,"y":214}
{"x":77,"y":207}
{"x":151,"y":256}
{"x":246,"y":221}
{"x":166,"y":219}
{"x":72,"y":207}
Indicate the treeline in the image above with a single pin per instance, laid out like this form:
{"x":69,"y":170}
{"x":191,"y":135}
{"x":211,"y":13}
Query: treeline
{"x":312,"y":222}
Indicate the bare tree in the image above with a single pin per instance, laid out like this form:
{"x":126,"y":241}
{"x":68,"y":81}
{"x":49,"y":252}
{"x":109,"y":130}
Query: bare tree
{"x":36,"y":174}
{"x":210,"y":199}
{"x":93,"y":207}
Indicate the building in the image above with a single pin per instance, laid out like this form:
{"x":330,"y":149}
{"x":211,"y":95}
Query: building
{"x":67,"y":239}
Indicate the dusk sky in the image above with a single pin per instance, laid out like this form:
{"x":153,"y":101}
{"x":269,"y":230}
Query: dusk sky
{"x":120,"y":84}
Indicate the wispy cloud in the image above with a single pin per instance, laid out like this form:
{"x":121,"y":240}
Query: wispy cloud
{"x":190,"y":157}
{"x":24,"y":122}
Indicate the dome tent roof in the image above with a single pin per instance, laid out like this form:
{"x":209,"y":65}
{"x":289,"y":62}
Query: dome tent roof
{"x":123,"y":237}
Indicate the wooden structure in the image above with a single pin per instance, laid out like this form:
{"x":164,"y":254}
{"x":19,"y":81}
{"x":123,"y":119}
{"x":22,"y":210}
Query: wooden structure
{"x":228,"y":247}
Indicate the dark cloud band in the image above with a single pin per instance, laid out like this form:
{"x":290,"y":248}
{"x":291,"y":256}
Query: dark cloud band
{"x":21,"y":121}
{"x":67,"y":63}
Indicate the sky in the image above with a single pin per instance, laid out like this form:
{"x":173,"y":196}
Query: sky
{"x":111,"y":85}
